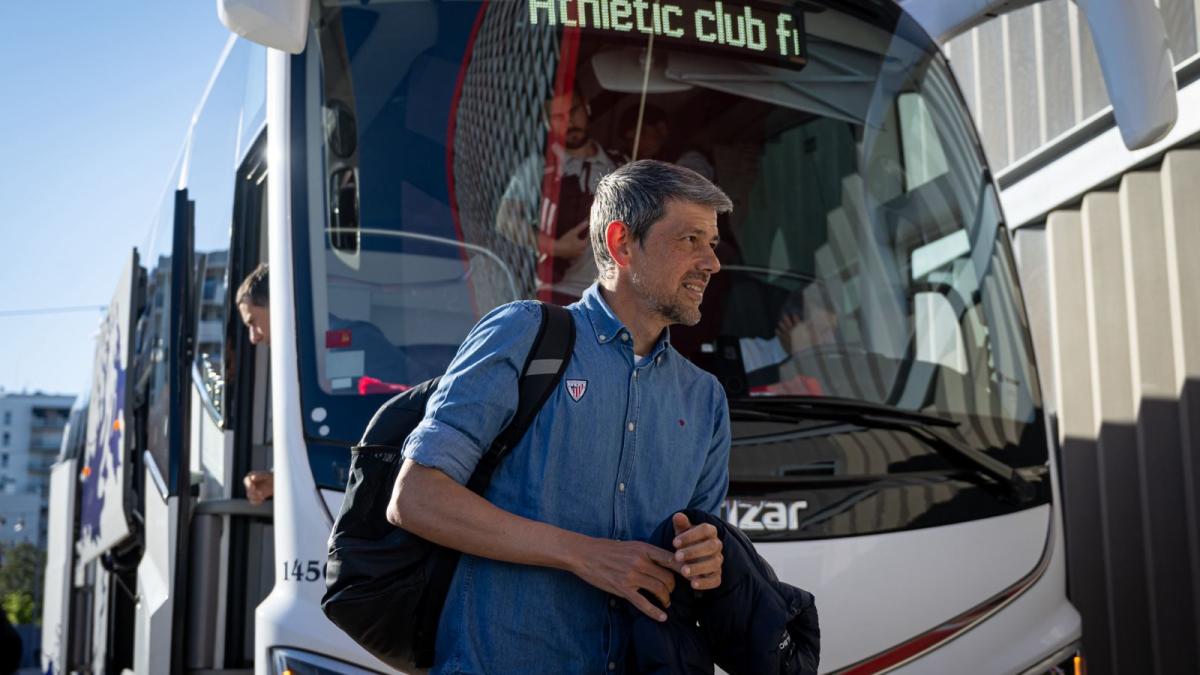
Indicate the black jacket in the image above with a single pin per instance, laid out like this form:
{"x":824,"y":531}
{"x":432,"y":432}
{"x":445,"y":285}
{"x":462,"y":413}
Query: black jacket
{"x":10,"y":646}
{"x":753,"y":624}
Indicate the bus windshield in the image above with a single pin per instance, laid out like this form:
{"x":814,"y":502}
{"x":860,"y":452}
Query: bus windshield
{"x":451,"y":150}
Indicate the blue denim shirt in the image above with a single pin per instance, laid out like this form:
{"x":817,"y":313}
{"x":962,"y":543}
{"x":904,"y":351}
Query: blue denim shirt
{"x":616,"y":449}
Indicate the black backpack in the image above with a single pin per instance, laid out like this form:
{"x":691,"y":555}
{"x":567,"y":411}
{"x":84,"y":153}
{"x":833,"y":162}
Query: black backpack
{"x":385,"y":587}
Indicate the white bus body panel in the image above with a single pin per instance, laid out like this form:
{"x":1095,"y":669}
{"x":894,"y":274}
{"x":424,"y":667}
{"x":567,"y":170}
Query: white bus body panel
{"x":291,"y":615}
{"x":1037,"y":624}
{"x":155,"y":579}
{"x":99,"y":580}
{"x":60,"y":541}
{"x":874,"y":592}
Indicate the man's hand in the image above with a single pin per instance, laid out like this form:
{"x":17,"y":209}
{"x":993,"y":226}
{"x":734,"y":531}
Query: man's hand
{"x":698,"y":553}
{"x":569,"y":246}
{"x":432,"y":505}
{"x":625,"y":567}
{"x":260,"y":486}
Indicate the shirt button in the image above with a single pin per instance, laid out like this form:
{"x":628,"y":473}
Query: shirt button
{"x":629,"y":426}
{"x":603,"y":338}
{"x":612,"y":665}
{"x":625,"y":337}
{"x":620,"y":487}
{"x":658,"y":360}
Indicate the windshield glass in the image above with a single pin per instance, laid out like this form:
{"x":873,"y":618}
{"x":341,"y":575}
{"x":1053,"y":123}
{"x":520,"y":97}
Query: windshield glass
{"x":454,"y":148}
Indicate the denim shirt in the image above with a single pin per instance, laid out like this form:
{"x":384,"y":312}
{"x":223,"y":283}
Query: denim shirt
{"x":616,"y":449}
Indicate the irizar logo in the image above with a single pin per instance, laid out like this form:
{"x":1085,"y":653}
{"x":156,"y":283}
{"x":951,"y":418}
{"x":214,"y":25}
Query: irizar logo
{"x":764,"y":516}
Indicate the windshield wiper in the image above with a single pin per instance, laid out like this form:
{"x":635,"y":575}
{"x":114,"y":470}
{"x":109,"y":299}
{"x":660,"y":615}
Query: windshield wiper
{"x":795,"y":408}
{"x":925,"y":427}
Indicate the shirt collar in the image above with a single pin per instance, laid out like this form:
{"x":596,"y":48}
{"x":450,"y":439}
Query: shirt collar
{"x":608,"y":328}
{"x":593,"y":167}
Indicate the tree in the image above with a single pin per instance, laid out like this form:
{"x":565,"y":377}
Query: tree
{"x":20,"y":608}
{"x":21,"y":569}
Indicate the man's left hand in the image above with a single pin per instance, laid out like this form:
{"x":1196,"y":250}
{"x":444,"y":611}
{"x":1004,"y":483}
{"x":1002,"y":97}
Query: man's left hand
{"x":699,"y":550}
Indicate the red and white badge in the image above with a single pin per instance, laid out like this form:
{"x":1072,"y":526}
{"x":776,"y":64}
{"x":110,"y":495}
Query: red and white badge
{"x":576,"y":388}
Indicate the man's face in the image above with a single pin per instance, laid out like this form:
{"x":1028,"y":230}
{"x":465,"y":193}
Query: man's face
{"x":258,"y":322}
{"x":673,"y":266}
{"x":569,"y":120}
{"x":654,"y":136}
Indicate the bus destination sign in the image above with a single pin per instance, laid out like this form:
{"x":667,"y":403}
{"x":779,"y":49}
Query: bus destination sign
{"x":775,"y":35}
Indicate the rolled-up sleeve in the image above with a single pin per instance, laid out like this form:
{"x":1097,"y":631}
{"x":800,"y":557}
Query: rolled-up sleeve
{"x":714,"y":479}
{"x":477,"y":397}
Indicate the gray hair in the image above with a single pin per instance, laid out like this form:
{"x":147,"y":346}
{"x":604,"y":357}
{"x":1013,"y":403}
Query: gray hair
{"x":637,"y":194}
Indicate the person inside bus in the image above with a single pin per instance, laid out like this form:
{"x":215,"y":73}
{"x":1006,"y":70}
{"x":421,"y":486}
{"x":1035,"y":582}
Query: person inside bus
{"x":254,"y":306}
{"x":387,"y":369}
{"x":636,"y":434}
{"x":777,"y":365}
{"x":656,"y":142}
{"x":545,"y":206}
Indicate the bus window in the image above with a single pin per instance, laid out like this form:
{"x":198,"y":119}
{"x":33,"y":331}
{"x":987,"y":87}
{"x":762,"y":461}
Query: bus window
{"x":923,"y":156}
{"x":152,"y":358}
{"x":222,"y":134}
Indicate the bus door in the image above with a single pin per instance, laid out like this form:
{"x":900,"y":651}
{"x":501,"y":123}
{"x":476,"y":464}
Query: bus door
{"x":231,"y":552}
{"x":164,"y":338}
{"x":251,"y":539}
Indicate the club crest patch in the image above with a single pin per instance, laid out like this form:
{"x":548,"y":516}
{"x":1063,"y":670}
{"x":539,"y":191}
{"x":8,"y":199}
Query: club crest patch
{"x":576,"y":388}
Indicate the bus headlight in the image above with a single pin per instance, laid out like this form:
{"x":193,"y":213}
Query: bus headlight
{"x":288,"y":661}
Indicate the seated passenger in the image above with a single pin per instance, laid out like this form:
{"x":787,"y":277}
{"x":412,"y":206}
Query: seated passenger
{"x":806,"y":321}
{"x":548,"y":201}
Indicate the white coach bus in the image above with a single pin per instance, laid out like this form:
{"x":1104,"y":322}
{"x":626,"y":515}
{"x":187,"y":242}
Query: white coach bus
{"x":406,"y":166}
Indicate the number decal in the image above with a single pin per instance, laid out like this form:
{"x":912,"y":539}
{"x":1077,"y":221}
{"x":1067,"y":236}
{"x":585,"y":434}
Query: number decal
{"x":303,"y":570}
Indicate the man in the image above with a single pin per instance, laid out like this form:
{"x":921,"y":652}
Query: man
{"x":546,"y":204}
{"x":555,"y":554}
{"x":253,"y":301}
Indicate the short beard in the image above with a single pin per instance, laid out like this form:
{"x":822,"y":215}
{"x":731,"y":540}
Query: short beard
{"x":667,"y":308}
{"x":581,"y":139}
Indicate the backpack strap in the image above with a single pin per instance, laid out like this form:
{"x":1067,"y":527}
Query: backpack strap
{"x":543,"y":370}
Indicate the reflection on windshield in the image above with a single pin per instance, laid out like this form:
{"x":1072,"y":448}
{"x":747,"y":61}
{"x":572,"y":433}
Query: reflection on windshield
{"x":463,"y":144}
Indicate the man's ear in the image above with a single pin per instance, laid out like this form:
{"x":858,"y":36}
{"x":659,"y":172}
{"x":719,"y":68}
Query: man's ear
{"x":617,"y":238}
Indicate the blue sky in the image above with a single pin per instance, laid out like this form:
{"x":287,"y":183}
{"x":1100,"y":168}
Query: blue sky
{"x":96,"y":99}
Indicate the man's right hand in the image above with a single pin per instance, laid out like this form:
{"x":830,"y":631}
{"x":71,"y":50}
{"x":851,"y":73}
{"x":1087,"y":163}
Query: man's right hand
{"x":623,"y":568}
{"x":260,"y":486}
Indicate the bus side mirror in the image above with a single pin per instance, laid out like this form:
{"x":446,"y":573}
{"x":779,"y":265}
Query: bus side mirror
{"x":279,"y":24}
{"x":1131,"y":43}
{"x":343,"y":210}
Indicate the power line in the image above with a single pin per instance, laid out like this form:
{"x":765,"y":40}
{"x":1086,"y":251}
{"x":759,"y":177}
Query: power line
{"x":51,"y":310}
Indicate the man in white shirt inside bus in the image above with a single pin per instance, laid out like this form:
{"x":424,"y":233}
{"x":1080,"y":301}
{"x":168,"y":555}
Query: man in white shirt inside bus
{"x":547,"y":202}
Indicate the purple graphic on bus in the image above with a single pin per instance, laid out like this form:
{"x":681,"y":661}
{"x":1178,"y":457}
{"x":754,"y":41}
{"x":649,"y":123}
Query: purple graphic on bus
{"x":98,"y":475}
